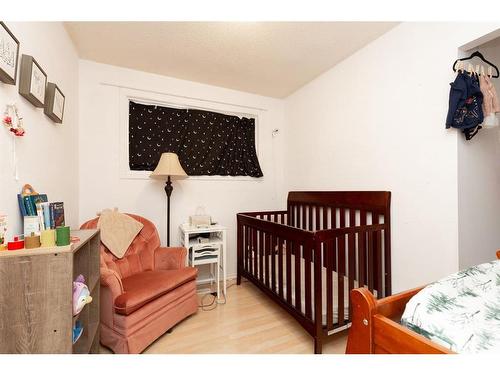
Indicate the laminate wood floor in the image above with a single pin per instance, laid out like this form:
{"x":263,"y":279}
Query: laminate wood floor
{"x":248,"y":323}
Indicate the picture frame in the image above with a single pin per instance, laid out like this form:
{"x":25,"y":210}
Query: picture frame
{"x":54,"y":103}
{"x":9,"y":55}
{"x":32,"y":81}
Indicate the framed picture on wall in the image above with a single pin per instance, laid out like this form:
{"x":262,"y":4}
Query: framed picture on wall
{"x":54,"y":103}
{"x":32,"y":81}
{"x":9,"y":54}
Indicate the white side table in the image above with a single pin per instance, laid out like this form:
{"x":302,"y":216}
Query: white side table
{"x":188,"y":234}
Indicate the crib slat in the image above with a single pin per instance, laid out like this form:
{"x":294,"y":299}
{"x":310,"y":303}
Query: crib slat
{"x":329,"y":283}
{"x":341,"y":274}
{"x":333,"y":215}
{"x":370,"y":260}
{"x":351,"y":258}
{"x":325,"y":217}
{"x":304,"y":217}
{"x":377,"y":251}
{"x":245,"y":248}
{"x":273,"y":244}
{"x":261,"y":256}
{"x":310,"y":218}
{"x":266,"y":252}
{"x":296,"y":255}
{"x":280,"y":267}
{"x":254,"y":247}
{"x":289,"y":271}
{"x":307,"y":283}
{"x":317,"y":225}
{"x":362,"y":252}
{"x":249,"y":252}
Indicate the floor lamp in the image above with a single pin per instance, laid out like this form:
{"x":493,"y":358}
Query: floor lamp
{"x":168,"y":168}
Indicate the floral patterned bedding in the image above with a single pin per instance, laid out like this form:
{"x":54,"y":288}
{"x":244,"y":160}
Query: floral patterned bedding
{"x":460,"y":312}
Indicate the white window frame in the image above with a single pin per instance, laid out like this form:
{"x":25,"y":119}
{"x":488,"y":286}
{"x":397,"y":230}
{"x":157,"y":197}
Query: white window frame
{"x":150,"y":98}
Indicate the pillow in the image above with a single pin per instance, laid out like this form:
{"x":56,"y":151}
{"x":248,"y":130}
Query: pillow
{"x":117,"y":231}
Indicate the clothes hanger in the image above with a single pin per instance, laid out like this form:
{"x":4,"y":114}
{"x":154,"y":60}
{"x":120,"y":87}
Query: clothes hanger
{"x":479,"y":55}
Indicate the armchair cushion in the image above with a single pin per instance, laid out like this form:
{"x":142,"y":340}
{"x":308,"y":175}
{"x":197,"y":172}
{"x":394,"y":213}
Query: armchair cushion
{"x":170,"y":258}
{"x":144,"y":287}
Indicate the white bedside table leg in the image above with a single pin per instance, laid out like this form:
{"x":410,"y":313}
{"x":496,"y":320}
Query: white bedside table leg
{"x":218,"y":275}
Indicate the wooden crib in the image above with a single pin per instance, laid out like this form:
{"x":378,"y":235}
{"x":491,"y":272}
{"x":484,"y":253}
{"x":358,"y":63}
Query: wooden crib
{"x":309,"y":257}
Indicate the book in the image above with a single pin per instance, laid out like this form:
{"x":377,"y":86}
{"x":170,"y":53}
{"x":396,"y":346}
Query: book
{"x":30,"y":210}
{"x":51,"y":211}
{"x":22,"y":207}
{"x":39,"y":213}
{"x":46,"y":215}
{"x":30,"y":202}
{"x":37,"y":198}
{"x":58,"y":212}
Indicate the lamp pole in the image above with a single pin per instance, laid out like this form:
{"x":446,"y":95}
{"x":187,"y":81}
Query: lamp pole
{"x":168,"y":191}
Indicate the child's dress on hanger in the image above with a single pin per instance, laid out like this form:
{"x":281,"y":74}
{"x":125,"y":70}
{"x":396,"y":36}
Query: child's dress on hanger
{"x":491,"y":105}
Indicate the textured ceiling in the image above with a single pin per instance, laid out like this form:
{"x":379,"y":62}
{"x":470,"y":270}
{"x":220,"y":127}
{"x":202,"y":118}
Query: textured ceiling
{"x":266,"y":58}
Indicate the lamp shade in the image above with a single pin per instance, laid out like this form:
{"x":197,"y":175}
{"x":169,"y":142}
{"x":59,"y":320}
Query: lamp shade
{"x":168,"y":166}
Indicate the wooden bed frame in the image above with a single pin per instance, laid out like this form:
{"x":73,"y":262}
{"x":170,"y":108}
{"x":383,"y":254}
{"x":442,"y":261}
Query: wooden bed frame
{"x":376,"y":330}
{"x":296,"y":256}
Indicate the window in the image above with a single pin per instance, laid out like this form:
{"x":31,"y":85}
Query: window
{"x":208,"y":143}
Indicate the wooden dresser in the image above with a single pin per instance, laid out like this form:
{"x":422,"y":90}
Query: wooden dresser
{"x":36,"y":310}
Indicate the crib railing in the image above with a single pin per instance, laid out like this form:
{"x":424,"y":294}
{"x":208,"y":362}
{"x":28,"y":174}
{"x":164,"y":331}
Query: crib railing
{"x":297,"y":267}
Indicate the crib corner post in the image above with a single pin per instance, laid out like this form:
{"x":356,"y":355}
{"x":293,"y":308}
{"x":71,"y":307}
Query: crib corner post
{"x":239,"y":252}
{"x":318,"y":345}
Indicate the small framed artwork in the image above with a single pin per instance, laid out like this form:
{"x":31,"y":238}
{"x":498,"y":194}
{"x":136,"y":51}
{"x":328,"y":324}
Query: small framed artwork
{"x":9,"y":55}
{"x":32,"y":81}
{"x":54,"y":103}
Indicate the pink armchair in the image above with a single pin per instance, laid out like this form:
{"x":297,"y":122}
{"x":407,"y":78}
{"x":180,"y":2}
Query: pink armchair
{"x":145,"y":293}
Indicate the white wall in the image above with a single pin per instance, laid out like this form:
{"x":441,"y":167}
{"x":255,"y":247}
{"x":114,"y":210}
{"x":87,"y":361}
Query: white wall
{"x":376,"y":121}
{"x":47,"y":154}
{"x":479,"y":185}
{"x":102,"y":186}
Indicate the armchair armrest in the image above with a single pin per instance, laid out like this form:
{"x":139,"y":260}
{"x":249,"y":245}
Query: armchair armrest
{"x":110,"y":279}
{"x":170,"y":258}
{"x":111,"y":287}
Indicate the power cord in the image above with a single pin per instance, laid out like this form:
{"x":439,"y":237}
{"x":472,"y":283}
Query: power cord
{"x":214,"y":302}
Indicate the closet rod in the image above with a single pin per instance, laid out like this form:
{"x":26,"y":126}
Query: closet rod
{"x":182,"y":96}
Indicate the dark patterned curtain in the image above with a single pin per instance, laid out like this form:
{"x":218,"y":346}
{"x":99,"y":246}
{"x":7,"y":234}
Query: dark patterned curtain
{"x":207,"y":143}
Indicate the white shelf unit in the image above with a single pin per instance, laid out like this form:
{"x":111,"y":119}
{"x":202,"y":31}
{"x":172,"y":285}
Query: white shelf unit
{"x":211,"y":252}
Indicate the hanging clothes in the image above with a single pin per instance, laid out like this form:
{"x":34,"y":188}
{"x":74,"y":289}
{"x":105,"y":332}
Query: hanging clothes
{"x":465,"y":110}
{"x":491,"y":105}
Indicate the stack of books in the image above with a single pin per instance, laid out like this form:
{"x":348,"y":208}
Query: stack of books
{"x":50,"y":215}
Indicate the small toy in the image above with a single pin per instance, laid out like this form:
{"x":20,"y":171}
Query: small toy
{"x":77,"y":331}
{"x":81,"y":295}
